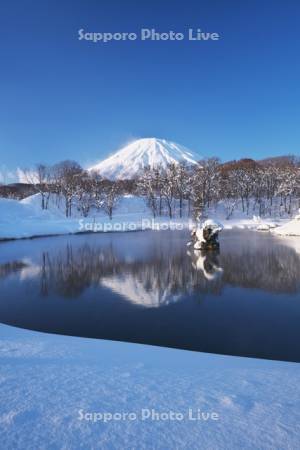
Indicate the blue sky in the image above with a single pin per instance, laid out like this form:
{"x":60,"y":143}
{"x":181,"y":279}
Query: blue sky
{"x":62,"y":98}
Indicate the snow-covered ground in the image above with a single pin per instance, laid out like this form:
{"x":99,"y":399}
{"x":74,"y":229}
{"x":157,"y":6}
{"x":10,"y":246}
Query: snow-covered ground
{"x":25,"y":218}
{"x":291,"y":228}
{"x":46,"y":380}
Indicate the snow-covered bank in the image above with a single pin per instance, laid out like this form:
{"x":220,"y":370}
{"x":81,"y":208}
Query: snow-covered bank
{"x":25,"y":219}
{"x":291,"y":228}
{"x":47,"y":379}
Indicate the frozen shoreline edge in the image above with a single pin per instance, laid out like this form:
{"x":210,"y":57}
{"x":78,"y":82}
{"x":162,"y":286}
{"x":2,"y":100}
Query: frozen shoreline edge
{"x":86,"y":232}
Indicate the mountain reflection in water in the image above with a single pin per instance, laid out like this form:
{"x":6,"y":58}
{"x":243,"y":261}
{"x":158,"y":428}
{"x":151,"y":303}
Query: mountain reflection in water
{"x":162,"y":275}
{"x":99,"y":286}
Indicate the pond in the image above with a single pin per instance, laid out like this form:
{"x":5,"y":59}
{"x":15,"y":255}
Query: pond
{"x":149,"y":287}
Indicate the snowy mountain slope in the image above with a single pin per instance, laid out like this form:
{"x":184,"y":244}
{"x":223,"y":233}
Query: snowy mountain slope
{"x":131,"y":159}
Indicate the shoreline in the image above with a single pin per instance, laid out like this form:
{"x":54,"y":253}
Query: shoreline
{"x":184,"y":227}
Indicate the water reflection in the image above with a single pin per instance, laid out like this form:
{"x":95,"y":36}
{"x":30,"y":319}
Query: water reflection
{"x":11,"y":267}
{"x":161,"y":275}
{"x":207,"y":262}
{"x":149,"y":288}
{"x":152,"y":282}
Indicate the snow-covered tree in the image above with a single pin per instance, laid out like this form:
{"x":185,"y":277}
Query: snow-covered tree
{"x":147,"y":186}
{"x":111,"y":196}
{"x":67,"y":175}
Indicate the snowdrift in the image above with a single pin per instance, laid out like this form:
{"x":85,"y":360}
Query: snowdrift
{"x":291,"y":228}
{"x":26,"y":218}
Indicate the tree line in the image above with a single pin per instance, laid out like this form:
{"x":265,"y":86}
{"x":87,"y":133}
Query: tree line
{"x":270,"y":187}
{"x":266,"y":187}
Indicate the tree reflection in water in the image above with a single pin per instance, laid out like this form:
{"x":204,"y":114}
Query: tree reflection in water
{"x":160,"y":278}
{"x":150,"y":288}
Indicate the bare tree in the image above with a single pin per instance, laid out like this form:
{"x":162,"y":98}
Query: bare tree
{"x":111,"y":195}
{"x":40,"y":179}
{"x":147,"y":186}
{"x":68,"y":179}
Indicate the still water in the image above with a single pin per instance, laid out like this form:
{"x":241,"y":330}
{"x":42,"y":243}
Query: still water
{"x":149,"y":287}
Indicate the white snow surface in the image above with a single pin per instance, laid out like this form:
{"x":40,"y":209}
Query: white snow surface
{"x":25,"y":218}
{"x":291,"y":228}
{"x":46,"y":379}
{"x":130,"y":160}
{"x":214,"y":224}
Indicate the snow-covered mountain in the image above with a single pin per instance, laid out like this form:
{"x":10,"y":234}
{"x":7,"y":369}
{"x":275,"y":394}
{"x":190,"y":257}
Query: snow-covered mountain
{"x":130,"y":160}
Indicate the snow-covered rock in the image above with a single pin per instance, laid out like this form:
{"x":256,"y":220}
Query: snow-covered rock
{"x":215,"y":225}
{"x":211,"y":226}
{"x":263,"y":227}
{"x":133,"y":158}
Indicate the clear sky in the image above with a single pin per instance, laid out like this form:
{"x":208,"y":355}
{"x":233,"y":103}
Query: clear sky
{"x":62,"y":98}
